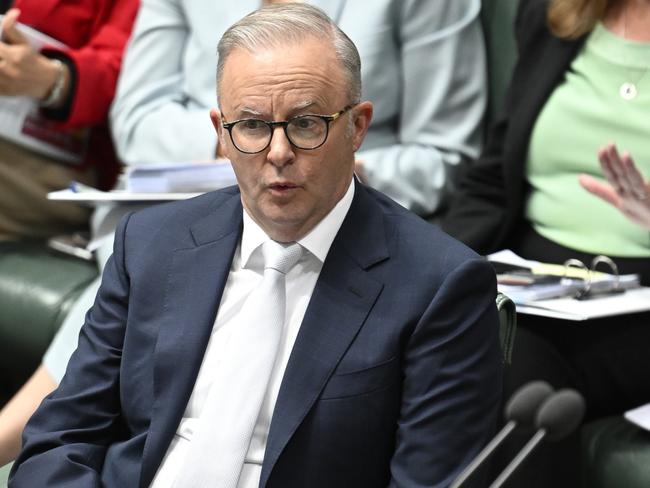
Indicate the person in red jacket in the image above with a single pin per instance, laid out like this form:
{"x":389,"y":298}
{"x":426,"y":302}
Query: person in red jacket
{"x":71,"y":88}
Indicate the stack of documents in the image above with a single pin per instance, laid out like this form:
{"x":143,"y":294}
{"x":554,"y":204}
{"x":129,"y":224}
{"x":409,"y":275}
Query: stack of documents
{"x":180,"y":177}
{"x":92,"y":196}
{"x":566,"y":287}
{"x":155,"y":183}
{"x":552,"y":290}
{"x":632,"y":301}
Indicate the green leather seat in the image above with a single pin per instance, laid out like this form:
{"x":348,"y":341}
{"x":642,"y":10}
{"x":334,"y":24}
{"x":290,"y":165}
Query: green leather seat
{"x":615,"y":453}
{"x":37,"y":288}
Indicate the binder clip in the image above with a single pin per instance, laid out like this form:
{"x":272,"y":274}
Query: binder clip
{"x":590,"y":288}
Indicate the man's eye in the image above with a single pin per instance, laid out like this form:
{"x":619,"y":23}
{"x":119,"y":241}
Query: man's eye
{"x":252,"y":124}
{"x":305,"y":123}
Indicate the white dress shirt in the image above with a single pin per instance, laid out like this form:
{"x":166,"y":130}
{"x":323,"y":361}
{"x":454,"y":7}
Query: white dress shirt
{"x":246,"y":272}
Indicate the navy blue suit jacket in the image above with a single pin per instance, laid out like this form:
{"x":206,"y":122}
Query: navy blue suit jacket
{"x":394,"y":378}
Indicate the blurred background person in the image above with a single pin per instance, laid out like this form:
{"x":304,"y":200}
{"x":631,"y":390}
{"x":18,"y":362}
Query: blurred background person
{"x":423,"y":66}
{"x":74,"y":87}
{"x":581,"y":81}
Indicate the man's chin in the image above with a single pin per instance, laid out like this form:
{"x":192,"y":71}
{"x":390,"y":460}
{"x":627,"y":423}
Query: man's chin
{"x":282,"y":224}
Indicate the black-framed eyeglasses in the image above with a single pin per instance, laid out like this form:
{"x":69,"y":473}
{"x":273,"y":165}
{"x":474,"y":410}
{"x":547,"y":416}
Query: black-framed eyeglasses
{"x":309,"y":131}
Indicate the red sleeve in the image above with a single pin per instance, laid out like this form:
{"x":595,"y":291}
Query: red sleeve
{"x":98,"y":66}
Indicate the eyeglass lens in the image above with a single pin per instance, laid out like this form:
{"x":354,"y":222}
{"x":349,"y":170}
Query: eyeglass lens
{"x":304,"y":132}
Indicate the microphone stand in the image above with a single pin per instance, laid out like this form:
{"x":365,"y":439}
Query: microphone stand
{"x":519,"y":458}
{"x":520,"y":410}
{"x":484,"y":454}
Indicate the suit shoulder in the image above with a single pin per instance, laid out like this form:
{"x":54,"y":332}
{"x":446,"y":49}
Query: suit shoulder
{"x":420,"y":241}
{"x":167,"y":225}
{"x":182,"y":210}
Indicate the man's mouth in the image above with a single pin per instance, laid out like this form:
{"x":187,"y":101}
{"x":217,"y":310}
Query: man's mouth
{"x":284,"y":186}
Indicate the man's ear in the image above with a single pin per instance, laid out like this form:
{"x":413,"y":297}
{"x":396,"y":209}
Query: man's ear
{"x":362,"y":116}
{"x":215,"y":116}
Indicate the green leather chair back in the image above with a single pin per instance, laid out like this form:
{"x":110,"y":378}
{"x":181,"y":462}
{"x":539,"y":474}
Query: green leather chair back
{"x":498,"y":19}
{"x":37,"y":288}
{"x":507,"y":325}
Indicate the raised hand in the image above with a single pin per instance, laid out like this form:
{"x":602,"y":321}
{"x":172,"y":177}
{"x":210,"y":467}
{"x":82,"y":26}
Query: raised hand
{"x":627,"y":190}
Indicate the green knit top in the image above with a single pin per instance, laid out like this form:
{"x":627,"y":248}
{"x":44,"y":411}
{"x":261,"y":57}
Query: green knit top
{"x":584,"y":113}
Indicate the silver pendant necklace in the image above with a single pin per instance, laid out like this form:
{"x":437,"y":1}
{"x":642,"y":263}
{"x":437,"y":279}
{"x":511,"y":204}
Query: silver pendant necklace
{"x":628,"y":90}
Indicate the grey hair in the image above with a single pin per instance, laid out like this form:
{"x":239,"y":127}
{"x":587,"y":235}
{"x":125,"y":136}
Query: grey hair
{"x":276,"y":25}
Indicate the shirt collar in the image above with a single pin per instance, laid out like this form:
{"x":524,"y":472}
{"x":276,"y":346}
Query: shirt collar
{"x":318,"y":241}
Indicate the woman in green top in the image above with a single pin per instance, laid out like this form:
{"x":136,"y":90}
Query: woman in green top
{"x":581,"y":82}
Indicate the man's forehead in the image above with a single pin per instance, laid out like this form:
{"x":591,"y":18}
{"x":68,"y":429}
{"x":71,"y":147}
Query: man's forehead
{"x":277,"y":103}
{"x":310,"y":53}
{"x":297,"y":77}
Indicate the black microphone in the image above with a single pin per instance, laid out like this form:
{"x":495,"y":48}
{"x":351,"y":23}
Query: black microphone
{"x":520,"y":411}
{"x":558,"y":416}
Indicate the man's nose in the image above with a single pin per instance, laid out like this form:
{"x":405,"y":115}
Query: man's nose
{"x":280,"y":150}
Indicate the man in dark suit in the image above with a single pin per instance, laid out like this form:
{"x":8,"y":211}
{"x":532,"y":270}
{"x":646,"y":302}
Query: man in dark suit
{"x":387,"y":371}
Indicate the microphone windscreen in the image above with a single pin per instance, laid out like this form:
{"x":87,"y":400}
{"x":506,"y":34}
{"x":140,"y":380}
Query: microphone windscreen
{"x":561,"y":414}
{"x":525,"y":402}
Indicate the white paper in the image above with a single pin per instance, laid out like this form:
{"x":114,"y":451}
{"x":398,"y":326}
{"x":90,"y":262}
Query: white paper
{"x":640,"y":416}
{"x":631,"y":301}
{"x":36,"y":38}
{"x":525,"y":294}
{"x":121,"y":196}
{"x":506,"y":256}
{"x":181,"y":177}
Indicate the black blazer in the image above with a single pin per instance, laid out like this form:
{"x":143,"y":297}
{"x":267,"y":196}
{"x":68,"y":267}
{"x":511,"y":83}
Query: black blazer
{"x":488,"y":207}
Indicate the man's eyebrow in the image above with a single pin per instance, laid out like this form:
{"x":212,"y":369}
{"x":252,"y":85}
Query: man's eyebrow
{"x":303,"y":105}
{"x":248,"y":111}
{"x":243,"y":112}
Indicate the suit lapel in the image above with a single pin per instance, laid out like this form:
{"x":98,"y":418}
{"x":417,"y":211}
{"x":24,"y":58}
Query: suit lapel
{"x":193,"y":291}
{"x":343,"y":297}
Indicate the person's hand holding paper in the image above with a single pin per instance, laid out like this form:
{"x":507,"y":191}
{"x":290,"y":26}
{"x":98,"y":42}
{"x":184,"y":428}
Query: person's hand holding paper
{"x":23,"y":70}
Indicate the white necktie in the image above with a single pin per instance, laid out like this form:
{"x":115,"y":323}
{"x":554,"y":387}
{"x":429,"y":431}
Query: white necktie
{"x":217,"y":451}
